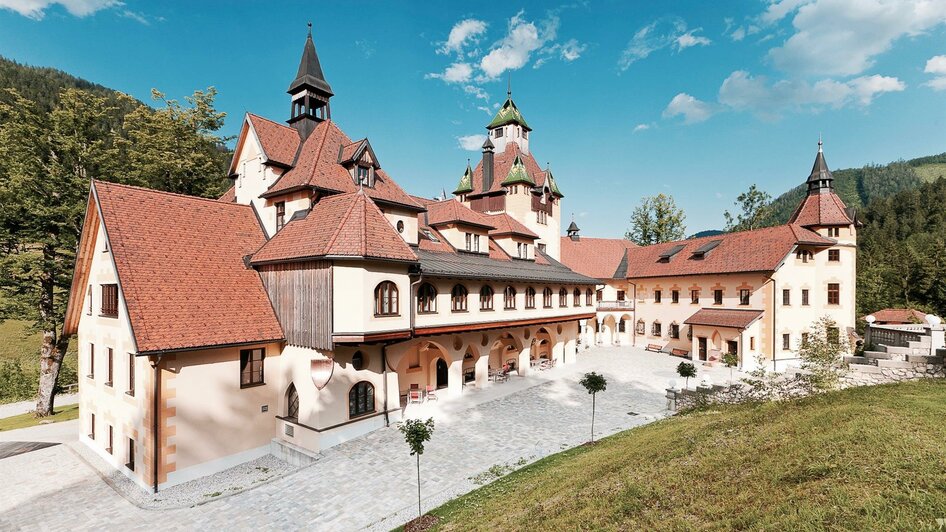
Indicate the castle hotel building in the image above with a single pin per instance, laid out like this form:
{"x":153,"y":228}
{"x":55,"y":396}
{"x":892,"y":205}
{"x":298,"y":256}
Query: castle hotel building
{"x":304,"y":307}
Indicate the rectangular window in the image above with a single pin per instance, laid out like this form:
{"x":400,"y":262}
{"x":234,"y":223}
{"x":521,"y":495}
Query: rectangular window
{"x":91,"y":374}
{"x":363,"y":176}
{"x":251,"y":367}
{"x":131,"y":455}
{"x":786,"y":342}
{"x":476,"y":243}
{"x":656,"y":296}
{"x":674,"y":296}
{"x":834,"y":255}
{"x":655,"y":329}
{"x":674,"y":330}
{"x":469,"y":242}
{"x":834,"y":294}
{"x":91,"y":426}
{"x":541,"y":247}
{"x":804,"y":297}
{"x":131,"y":374}
{"x":620,"y":295}
{"x":752,"y":343}
{"x":695,"y":297}
{"x":111,"y":439}
{"x":599,"y":295}
{"x":717,"y":297}
{"x":732,"y":346}
{"x":89,"y":297}
{"x":109,"y":369}
{"x":280,"y":214}
{"x":786,"y":296}
{"x":110,"y":300}
{"x":744,"y":297}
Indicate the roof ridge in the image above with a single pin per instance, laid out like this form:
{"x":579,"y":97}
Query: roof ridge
{"x":163,"y":192}
{"x":275,"y":123}
{"x":341,"y":224}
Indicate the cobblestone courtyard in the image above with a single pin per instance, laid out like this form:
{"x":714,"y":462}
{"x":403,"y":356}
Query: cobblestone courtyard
{"x":371,"y":480}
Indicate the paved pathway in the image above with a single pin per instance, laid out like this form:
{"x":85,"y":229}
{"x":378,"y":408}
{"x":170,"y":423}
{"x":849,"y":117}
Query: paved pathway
{"x":371,"y":478}
{"x":23,"y":407}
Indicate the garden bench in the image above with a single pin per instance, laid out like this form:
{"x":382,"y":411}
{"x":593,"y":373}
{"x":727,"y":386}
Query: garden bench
{"x":653,"y":347}
{"x":680,"y":353}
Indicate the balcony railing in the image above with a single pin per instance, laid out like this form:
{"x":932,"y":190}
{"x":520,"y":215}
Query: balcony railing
{"x":623,"y":305}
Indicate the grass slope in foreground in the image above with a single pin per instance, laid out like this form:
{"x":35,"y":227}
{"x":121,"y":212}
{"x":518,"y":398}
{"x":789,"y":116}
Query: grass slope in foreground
{"x":869,"y":458}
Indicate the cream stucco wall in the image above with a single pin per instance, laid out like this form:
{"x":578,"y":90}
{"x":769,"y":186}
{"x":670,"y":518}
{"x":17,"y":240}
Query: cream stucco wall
{"x":456,"y":236}
{"x":353,"y":297}
{"x":408,"y":218}
{"x":254,"y":177}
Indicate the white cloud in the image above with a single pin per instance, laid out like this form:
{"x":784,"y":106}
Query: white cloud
{"x":743,"y":92}
{"x":464,"y":33}
{"x":641,"y":127}
{"x":36,"y":9}
{"x":455,"y":73}
{"x":843,"y":37}
{"x":471,"y":142}
{"x":521,"y":40}
{"x":738,"y":34}
{"x":936,"y":65}
{"x":572,"y":50}
{"x":688,"y":40}
{"x":691,"y":109}
{"x":662,"y":33}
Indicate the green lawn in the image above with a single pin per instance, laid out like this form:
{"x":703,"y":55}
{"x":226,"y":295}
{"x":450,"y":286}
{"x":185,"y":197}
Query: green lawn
{"x":21,"y":344}
{"x":22,"y":421}
{"x":870,"y":458}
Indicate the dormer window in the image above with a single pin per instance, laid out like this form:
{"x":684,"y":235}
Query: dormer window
{"x":280,"y":215}
{"x":522,"y":250}
{"x":363,"y":176}
{"x":473,"y":242}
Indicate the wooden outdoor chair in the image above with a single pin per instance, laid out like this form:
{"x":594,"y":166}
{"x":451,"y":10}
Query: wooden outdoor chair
{"x":414,"y":396}
{"x":431,"y":393}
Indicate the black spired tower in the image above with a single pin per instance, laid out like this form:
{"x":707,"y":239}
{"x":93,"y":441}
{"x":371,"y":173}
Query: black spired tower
{"x":820,"y":181}
{"x":310,"y":93}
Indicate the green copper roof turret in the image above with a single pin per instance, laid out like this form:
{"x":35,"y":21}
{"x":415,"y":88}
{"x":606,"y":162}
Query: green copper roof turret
{"x":550,"y":181}
{"x":518,"y":174}
{"x":508,"y":114}
{"x":466,"y":182}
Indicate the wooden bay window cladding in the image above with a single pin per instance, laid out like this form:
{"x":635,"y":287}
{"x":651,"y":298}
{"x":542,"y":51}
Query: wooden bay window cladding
{"x":301,"y":294}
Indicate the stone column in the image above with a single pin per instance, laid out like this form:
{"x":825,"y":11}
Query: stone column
{"x":482,"y":370}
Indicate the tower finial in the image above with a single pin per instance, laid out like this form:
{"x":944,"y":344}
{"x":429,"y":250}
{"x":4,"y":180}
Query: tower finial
{"x":820,"y":144}
{"x":310,"y":28}
{"x":509,"y":85}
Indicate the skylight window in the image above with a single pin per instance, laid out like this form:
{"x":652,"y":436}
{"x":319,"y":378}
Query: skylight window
{"x":666,"y":255}
{"x":706,"y":248}
{"x":430,"y":236}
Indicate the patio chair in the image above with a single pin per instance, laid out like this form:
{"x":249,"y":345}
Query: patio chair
{"x":414,"y":396}
{"x":431,"y":393}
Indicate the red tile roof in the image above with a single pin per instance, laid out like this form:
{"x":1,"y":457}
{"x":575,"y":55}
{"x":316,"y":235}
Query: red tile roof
{"x":452,"y":211}
{"x":507,"y":225}
{"x":180,"y":265}
{"x":343,"y":225}
{"x":317,"y":166}
{"x":279,"y":141}
{"x":898,"y":316}
{"x":229,"y":196}
{"x":719,"y":317}
{"x":760,"y":250}
{"x":426,"y":243}
{"x":821,"y":209}
{"x":496,"y":252}
{"x":595,"y":257}
{"x":502,"y":162}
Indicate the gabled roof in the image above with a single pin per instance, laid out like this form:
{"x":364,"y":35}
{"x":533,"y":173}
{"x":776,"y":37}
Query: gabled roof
{"x":550,"y":181}
{"x":760,"y":250}
{"x":452,"y":211}
{"x":505,"y":224}
{"x":821,"y":210}
{"x":595,"y":257}
{"x":517,"y":173}
{"x":344,"y":225}
{"x":229,"y":196}
{"x":317,"y":166}
{"x":720,"y":317}
{"x":466,"y":181}
{"x":278,"y":142}
{"x":181,"y":271}
{"x":898,"y":315}
{"x":502,"y":163}
{"x":310,"y":73}
{"x":508,"y":114}
{"x":353,"y":152}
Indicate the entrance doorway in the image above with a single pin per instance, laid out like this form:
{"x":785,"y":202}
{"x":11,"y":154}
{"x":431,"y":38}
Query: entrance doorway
{"x":701,"y":343}
{"x":732,"y":347}
{"x":441,"y":373}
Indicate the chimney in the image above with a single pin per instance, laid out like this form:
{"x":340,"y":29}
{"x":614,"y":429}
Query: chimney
{"x":487,"y":165}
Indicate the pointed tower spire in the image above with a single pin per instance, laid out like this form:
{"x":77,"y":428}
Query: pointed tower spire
{"x":820,"y":180}
{"x":309,"y":92}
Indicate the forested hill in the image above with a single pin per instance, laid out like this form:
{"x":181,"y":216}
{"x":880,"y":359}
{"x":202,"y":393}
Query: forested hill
{"x":42,"y":84}
{"x":859,"y":186}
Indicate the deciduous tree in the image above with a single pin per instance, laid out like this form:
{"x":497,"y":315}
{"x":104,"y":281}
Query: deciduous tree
{"x":755,"y":211}
{"x":594,"y":383}
{"x":657,"y":219}
{"x":416,"y":434}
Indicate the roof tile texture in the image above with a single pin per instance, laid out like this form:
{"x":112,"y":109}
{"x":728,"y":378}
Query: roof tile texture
{"x":595,"y":257}
{"x":180,"y":266}
{"x":502,"y":162}
{"x":821,"y":209}
{"x":719,"y":317}
{"x":280,"y":142}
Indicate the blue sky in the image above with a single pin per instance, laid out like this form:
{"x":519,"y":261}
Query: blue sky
{"x":695,"y":99}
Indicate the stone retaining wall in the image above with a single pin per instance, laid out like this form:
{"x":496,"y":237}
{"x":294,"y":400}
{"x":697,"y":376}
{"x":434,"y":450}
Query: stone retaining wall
{"x":905,"y":371}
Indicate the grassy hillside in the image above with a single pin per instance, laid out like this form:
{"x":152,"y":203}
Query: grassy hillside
{"x":859,"y":186}
{"x":821,"y":463}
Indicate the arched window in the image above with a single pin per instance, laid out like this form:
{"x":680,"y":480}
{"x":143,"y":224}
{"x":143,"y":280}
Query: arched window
{"x":640,"y":327}
{"x":674,"y":330}
{"x":361,"y":399}
{"x":426,"y":299}
{"x":385,"y":299}
{"x":458,"y":298}
{"x":509,"y":298}
{"x":622,"y":325}
{"x":292,"y":403}
{"x":563,"y":297}
{"x":530,"y":297}
{"x":547,"y":297}
{"x":655,"y":329}
{"x":588,"y":294}
{"x":576,"y":299}
{"x":358,"y":360}
{"x":486,"y":297}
